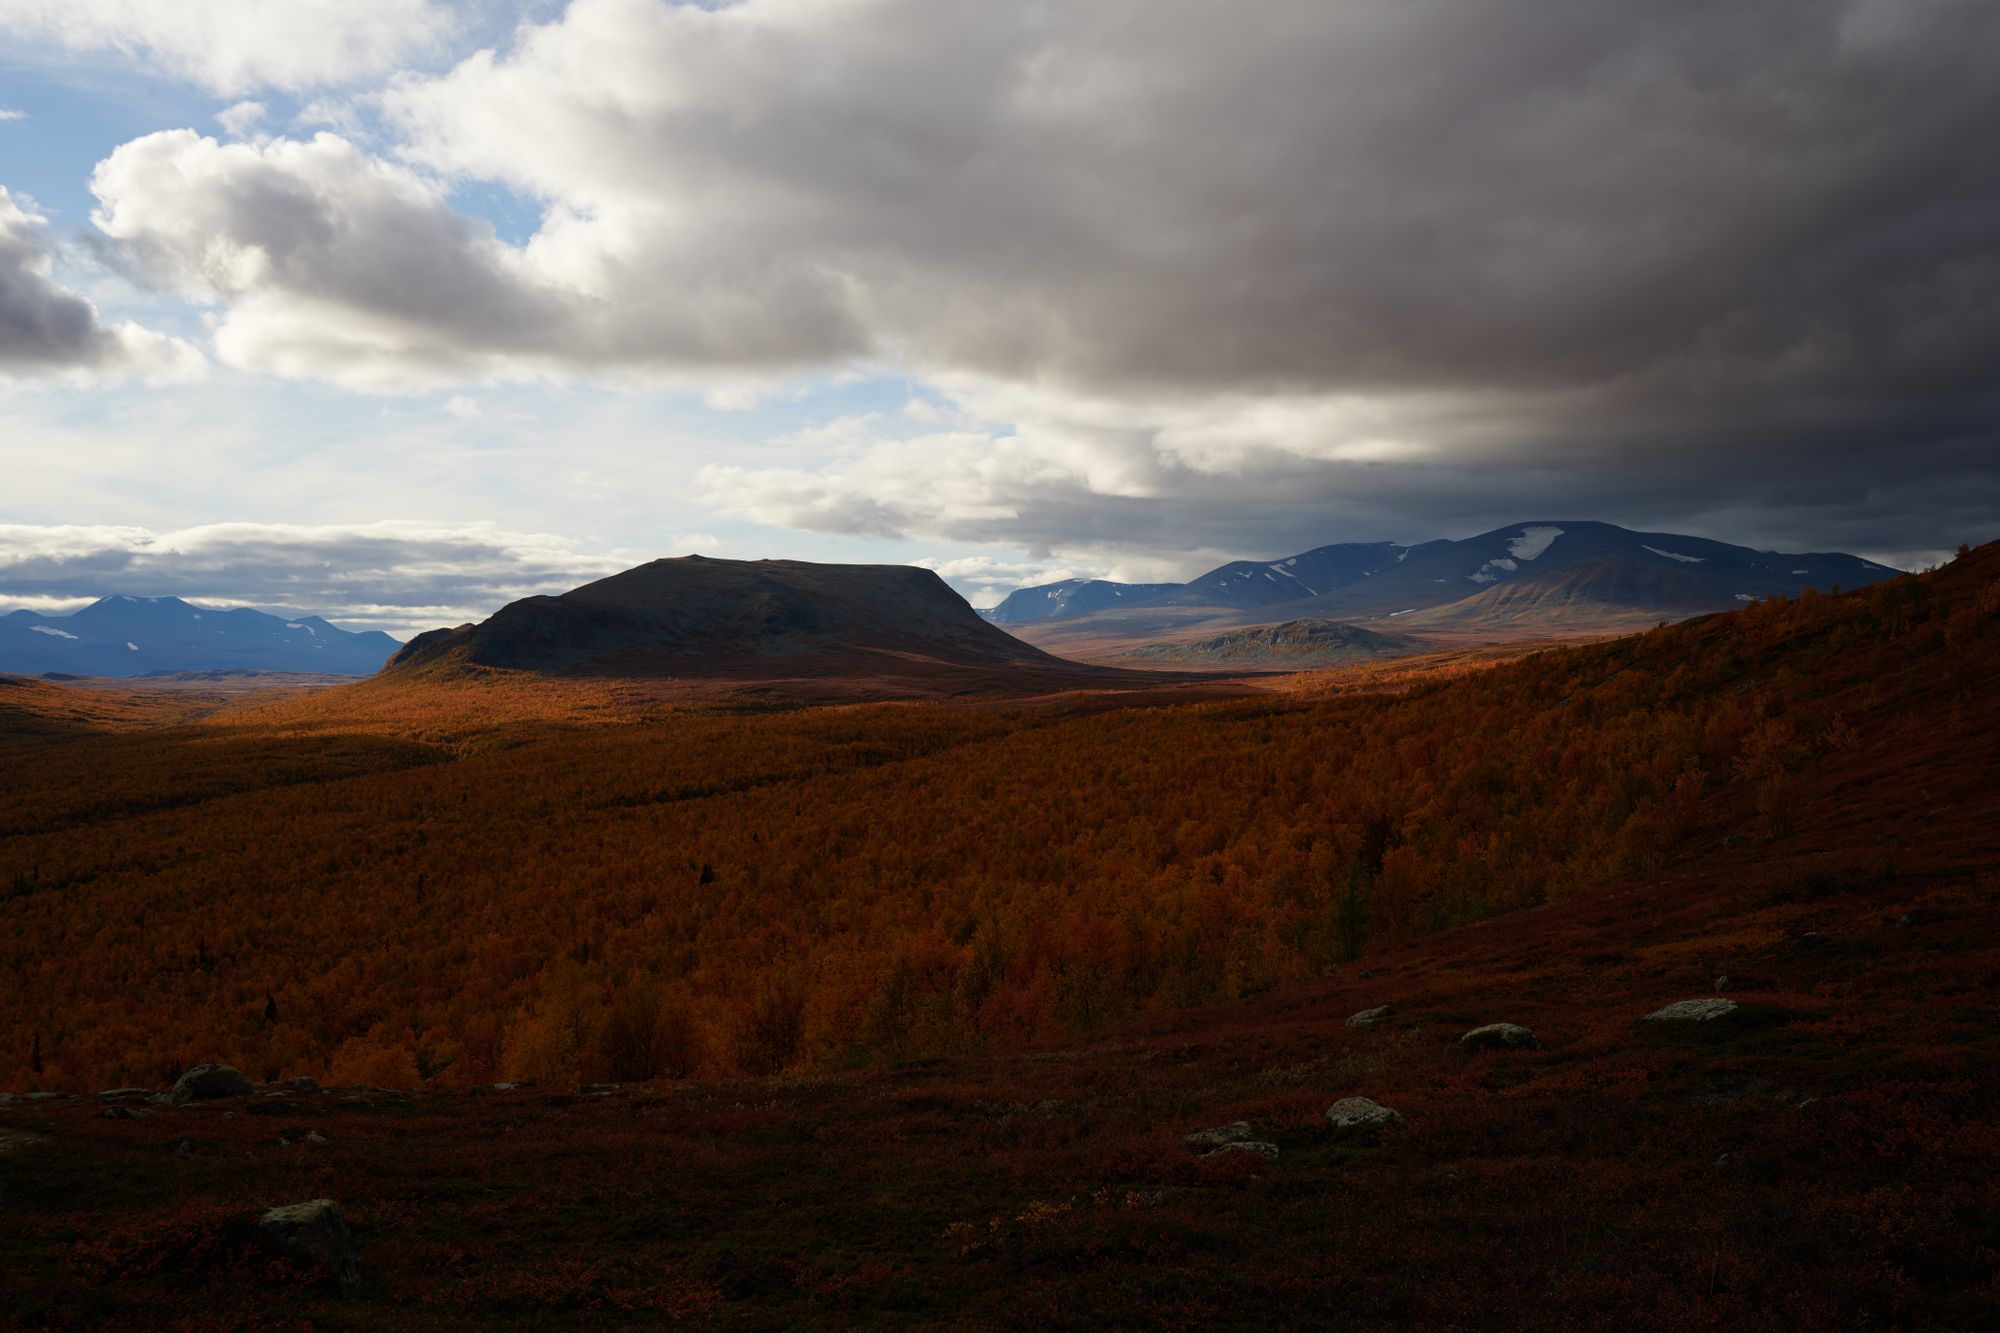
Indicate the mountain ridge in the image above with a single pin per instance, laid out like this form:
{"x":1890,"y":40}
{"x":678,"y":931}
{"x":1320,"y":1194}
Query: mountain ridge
{"x":122,"y":636}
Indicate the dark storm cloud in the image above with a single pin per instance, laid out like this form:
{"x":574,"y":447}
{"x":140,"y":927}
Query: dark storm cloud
{"x":1739,"y":259}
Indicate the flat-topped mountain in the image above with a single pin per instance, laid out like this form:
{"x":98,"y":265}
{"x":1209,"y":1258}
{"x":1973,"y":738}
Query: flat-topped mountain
{"x":739,"y":619}
{"x":142,"y":636}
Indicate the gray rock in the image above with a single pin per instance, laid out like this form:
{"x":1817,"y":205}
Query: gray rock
{"x":207,"y":1082}
{"x":303,"y":1083}
{"x":1497,"y":1036}
{"x":1722,"y":983}
{"x":1268,"y":1151}
{"x":1234,"y":1132}
{"x":1359,"y":1119}
{"x":125,"y":1094}
{"x":1368,"y":1018}
{"x":120,"y":1112}
{"x":1693,"y":1011}
{"x":316,"y":1232}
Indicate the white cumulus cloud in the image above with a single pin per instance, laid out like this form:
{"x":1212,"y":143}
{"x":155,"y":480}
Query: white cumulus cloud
{"x":235,"y":46}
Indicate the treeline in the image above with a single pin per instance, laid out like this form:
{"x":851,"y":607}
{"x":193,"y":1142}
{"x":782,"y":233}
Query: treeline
{"x":694,"y":894}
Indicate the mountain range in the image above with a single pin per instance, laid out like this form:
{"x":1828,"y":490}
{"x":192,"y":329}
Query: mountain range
{"x":1526,"y":576}
{"x":141,"y":636}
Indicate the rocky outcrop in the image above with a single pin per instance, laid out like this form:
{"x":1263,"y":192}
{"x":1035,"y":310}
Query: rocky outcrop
{"x":314,"y":1232}
{"x":1499,"y":1036}
{"x":1359,"y":1119}
{"x":1368,"y":1018}
{"x":1233,"y":1132}
{"x":1255,"y":1147}
{"x":208,"y":1082}
{"x":1693,"y":1011}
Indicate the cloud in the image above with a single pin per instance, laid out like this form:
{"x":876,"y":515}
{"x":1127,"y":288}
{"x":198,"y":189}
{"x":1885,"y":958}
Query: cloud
{"x":331,"y":264}
{"x":242,"y":120}
{"x":6,"y":114}
{"x":1136,"y":195}
{"x":401,"y":576}
{"x":234,"y":46}
{"x":1404,"y":263}
{"x":47,"y":330}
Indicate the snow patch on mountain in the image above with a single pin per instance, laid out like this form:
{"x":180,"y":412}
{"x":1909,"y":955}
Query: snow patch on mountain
{"x":1684,"y":559}
{"x":1531,"y":543}
{"x":52,"y":631}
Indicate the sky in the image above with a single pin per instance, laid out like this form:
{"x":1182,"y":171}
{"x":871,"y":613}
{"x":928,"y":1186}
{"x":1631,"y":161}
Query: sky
{"x":397,"y":310}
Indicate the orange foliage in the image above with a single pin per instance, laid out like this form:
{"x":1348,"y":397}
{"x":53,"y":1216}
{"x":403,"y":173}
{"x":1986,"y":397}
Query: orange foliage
{"x":526,"y":879}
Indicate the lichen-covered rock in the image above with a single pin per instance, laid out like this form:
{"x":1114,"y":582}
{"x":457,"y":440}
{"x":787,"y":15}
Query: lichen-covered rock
{"x":1693,"y":1011}
{"x":1267,"y":1151}
{"x":1498,"y":1036}
{"x":1368,"y":1018}
{"x":314,"y":1231}
{"x":1233,"y":1132}
{"x":1360,"y":1119}
{"x":207,"y":1082}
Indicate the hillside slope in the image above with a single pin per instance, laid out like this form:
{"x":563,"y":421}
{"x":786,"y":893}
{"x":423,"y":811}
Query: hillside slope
{"x":1792,"y":808}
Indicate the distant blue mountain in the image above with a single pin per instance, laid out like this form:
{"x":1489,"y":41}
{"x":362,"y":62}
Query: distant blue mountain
{"x":139,"y":636}
{"x":1564,"y":563}
{"x":1071,"y":597}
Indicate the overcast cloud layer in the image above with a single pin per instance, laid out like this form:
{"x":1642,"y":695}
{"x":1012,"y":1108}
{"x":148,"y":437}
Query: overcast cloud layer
{"x":1171,"y":275}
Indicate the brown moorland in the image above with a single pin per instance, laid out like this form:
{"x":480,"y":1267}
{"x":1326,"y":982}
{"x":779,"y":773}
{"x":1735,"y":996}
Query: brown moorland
{"x":912,"y":1004}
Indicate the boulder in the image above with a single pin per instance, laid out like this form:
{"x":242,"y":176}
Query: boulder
{"x":117,"y":1111}
{"x":124,"y":1094}
{"x":1267,"y":1151}
{"x":1234,"y":1132}
{"x":1499,"y":1036}
{"x":1360,"y":1119}
{"x":316,"y":1232}
{"x":207,"y":1082}
{"x":303,"y":1083}
{"x":1368,"y":1018}
{"x":1693,"y":1011}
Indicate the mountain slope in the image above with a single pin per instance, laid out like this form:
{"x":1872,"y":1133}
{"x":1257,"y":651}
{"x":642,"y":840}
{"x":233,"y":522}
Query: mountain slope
{"x":1603,"y":593}
{"x":1295,"y":644}
{"x":1440,"y":573}
{"x":1255,"y":583}
{"x":736,"y":619}
{"x":1070,"y":597}
{"x":137,"y":636}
